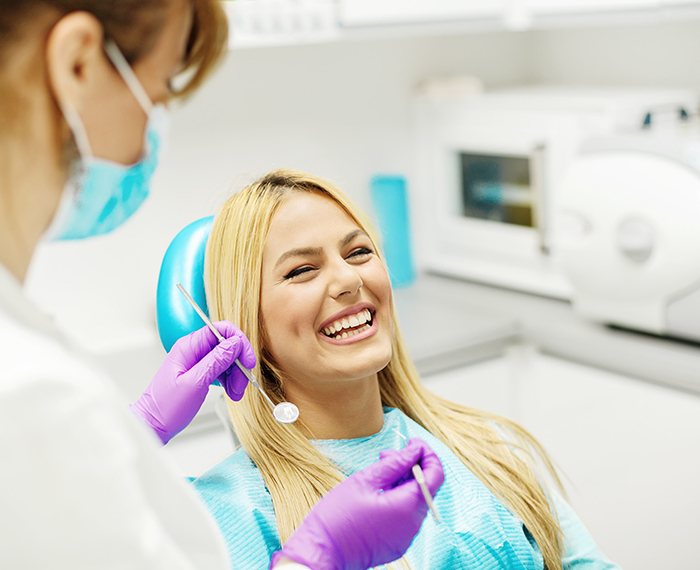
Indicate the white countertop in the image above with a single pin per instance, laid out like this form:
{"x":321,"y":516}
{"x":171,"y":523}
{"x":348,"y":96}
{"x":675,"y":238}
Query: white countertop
{"x":443,"y":329}
{"x":555,"y":329}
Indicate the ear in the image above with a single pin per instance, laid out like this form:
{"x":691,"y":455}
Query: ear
{"x":74,"y":57}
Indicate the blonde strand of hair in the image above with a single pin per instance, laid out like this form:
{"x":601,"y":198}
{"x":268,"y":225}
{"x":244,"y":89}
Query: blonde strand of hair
{"x":233,"y":265}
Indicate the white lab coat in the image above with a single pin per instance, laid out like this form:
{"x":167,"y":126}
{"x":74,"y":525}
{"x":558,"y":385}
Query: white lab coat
{"x":83,"y":484}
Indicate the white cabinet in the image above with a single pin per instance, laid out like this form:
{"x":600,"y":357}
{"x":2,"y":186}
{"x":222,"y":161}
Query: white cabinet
{"x":489,"y":385}
{"x":628,"y":450}
{"x":679,"y":3}
{"x":386,"y":12}
{"x":259,"y":23}
{"x":507,"y":12}
{"x":587,"y":6}
{"x":389,"y":12}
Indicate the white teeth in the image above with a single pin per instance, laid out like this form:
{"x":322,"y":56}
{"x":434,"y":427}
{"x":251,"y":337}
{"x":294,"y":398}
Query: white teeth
{"x":350,"y":334}
{"x":351,"y":321}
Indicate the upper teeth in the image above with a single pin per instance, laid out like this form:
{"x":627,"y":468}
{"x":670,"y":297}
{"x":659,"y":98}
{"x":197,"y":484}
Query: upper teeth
{"x":348,"y":322}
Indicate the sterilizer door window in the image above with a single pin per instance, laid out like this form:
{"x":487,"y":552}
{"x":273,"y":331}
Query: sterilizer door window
{"x":497,"y":188}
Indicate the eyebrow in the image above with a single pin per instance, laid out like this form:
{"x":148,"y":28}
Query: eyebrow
{"x":298,"y":253}
{"x":301,"y":251}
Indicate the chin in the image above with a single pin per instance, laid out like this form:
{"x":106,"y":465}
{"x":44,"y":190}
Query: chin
{"x":365,"y":365}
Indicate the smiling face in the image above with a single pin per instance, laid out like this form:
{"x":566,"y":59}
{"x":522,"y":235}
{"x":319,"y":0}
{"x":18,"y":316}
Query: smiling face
{"x":325,"y":296}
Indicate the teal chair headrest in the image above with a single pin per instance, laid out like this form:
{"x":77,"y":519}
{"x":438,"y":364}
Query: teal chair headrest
{"x":183,"y":263}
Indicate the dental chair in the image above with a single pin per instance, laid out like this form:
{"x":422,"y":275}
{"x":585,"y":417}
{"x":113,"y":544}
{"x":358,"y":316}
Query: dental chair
{"x":184,"y":263}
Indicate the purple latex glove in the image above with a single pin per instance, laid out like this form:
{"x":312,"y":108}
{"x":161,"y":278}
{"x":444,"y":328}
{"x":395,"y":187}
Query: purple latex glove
{"x":179,"y":388}
{"x":370,"y":518}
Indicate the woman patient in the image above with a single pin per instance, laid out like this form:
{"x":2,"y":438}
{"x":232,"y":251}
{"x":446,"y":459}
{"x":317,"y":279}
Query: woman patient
{"x":294,"y":264}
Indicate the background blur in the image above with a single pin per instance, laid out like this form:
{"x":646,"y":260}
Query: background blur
{"x":340,"y":89}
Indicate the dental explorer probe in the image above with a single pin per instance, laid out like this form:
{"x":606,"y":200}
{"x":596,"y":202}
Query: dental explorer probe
{"x":419,"y":476}
{"x":284,"y":412}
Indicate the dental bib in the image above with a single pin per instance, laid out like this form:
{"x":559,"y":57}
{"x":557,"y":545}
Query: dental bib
{"x":476,"y":531}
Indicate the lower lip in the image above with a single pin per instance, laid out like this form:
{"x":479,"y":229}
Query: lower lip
{"x":371,"y":331}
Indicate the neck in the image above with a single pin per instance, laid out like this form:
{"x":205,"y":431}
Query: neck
{"x":32,"y":171}
{"x":31,"y":179}
{"x":351,"y":410}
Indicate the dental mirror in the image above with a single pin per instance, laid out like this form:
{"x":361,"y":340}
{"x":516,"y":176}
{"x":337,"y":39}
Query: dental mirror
{"x":284,"y":412}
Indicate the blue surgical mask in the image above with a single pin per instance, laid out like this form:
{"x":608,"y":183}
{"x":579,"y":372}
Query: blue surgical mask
{"x":100,"y":195}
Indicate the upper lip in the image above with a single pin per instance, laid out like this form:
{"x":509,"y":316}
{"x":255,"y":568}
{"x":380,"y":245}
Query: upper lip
{"x":354,"y":309}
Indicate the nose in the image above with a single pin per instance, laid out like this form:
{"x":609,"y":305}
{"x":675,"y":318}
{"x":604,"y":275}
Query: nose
{"x":345,"y":280}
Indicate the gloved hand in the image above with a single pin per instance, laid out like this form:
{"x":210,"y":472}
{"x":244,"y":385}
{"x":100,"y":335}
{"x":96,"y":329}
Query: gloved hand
{"x":370,"y":518}
{"x":180,"y":386}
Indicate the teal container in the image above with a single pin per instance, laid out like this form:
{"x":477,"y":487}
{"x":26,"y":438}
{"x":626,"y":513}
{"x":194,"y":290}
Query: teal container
{"x":390,"y":202}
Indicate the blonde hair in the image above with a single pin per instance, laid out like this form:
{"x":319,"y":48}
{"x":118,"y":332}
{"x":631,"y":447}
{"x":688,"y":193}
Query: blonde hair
{"x":498,"y":451}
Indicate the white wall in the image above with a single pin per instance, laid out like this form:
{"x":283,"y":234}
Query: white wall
{"x":341,"y":111}
{"x":663,"y":55}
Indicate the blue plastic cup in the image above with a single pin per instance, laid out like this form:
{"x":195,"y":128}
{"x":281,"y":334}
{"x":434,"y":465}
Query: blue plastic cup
{"x":390,"y":203}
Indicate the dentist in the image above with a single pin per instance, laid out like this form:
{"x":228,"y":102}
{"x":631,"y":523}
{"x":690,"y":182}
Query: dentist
{"x":83,"y":485}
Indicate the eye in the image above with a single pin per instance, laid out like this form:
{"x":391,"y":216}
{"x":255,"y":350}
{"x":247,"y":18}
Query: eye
{"x":361,"y":252}
{"x":298,"y":271}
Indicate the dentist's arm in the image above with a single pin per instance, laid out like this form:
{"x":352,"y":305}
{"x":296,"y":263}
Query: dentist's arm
{"x":179,"y":388}
{"x":369,"y":519}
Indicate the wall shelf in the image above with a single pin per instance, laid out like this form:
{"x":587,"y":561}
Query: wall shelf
{"x":270,"y":23}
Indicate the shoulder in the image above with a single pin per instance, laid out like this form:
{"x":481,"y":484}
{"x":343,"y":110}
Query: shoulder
{"x":27,"y":352}
{"x":233,"y":486}
{"x":37,"y":362}
{"x":580,"y":549}
{"x":236,"y":496}
{"x":235,"y":474}
{"x":59,"y":403}
{"x":397,"y":420}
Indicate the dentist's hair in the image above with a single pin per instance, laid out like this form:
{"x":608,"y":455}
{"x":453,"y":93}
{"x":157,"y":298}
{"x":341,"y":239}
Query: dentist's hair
{"x":498,"y":451}
{"x":133,"y":24}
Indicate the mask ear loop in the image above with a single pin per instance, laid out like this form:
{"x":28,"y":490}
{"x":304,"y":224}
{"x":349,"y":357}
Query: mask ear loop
{"x":119,"y":61}
{"x":72,"y":194}
{"x":77,"y":127}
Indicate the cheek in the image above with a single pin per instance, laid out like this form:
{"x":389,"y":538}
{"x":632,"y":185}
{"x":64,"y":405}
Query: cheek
{"x":376,"y":279}
{"x":378,"y":283}
{"x":289,"y":317}
{"x":115,"y":125}
{"x":275,"y":330}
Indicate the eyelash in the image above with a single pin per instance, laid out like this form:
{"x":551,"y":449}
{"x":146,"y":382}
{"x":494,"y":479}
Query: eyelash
{"x":305,"y":269}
